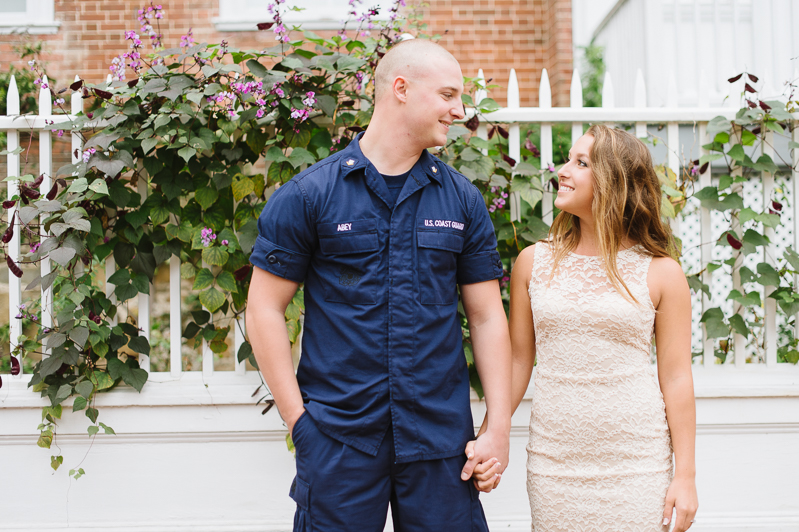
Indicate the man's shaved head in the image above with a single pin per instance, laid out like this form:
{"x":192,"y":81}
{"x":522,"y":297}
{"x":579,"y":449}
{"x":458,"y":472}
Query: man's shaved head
{"x":410,"y":59}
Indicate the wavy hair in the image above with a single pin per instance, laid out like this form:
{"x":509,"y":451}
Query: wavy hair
{"x":625,"y":206}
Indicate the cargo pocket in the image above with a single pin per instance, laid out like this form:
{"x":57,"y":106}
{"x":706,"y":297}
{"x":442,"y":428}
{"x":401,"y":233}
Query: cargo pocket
{"x":438,"y":254}
{"x":349,"y":261}
{"x":301,"y":493}
{"x":479,"y":523}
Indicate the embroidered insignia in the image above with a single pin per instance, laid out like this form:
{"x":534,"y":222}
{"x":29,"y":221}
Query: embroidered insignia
{"x":348,"y":276}
{"x":350,"y":162}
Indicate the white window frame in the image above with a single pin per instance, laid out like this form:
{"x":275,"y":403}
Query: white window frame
{"x":38,"y":19}
{"x":234,"y":15}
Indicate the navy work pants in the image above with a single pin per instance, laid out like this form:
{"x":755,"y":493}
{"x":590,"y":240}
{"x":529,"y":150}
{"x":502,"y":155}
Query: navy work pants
{"x":341,"y":489}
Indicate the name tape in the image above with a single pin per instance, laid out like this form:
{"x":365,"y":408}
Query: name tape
{"x":444,"y":223}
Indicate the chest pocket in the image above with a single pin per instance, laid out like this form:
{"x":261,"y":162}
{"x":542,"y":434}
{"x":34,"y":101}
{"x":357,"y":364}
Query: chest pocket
{"x":349,"y":261}
{"x":438,"y":257}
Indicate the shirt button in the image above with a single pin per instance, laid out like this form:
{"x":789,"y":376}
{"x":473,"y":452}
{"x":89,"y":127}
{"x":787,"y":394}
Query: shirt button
{"x":499,"y":263}
{"x":271,"y":259}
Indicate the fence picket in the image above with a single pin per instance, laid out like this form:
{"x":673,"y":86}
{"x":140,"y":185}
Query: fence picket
{"x":739,"y":340}
{"x":175,"y":317}
{"x":46,"y":170}
{"x":208,"y":354}
{"x":795,"y":183}
{"x":144,"y":299}
{"x":706,"y":231}
{"x":673,"y":143}
{"x":514,"y":143}
{"x":479,"y":96}
{"x":12,"y":169}
{"x":769,"y":303}
{"x":545,"y":102}
{"x":640,"y":102}
{"x":576,"y":102}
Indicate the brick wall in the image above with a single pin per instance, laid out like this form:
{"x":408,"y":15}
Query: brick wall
{"x":495,"y":35}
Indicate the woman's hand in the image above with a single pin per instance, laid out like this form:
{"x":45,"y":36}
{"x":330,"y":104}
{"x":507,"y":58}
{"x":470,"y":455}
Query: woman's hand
{"x":486,"y":475}
{"x":682,"y":498}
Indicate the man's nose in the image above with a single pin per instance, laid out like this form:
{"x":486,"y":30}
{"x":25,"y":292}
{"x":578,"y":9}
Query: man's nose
{"x":459,"y":111}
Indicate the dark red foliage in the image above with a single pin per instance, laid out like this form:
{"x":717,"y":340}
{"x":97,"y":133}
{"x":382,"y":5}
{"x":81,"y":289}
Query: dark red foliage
{"x":764,"y":105}
{"x":756,"y":131}
{"x":53,"y":192}
{"x":502,"y":131}
{"x":704,"y":167}
{"x":554,"y":183}
{"x":9,"y":234}
{"x":776,"y":205}
{"x":734,"y":79}
{"x":510,"y":160}
{"x":12,"y":267}
{"x":105,"y":95}
{"x":734,"y":242}
{"x":355,"y":129}
{"x":8,"y":204}
{"x":37,"y":181}
{"x":15,"y":366}
{"x":265,"y":25}
{"x":532,"y":148}
{"x":753,"y":78}
{"x":472,"y":124}
{"x":132,"y":83}
{"x":751,"y":104}
{"x":28,"y":192}
{"x":749,"y":88}
{"x":76,"y":85}
{"x":491,"y":132}
{"x":242,"y":272}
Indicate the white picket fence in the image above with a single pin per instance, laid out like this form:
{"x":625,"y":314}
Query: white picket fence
{"x":744,"y":409}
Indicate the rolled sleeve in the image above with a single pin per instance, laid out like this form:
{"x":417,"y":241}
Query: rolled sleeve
{"x":286,"y":235}
{"x":479,"y":260}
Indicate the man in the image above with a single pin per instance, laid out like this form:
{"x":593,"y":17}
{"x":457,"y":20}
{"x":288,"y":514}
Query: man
{"x":381,"y":234}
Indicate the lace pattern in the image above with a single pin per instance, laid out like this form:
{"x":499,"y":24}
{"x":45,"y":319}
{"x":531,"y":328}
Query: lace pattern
{"x":599,"y":454}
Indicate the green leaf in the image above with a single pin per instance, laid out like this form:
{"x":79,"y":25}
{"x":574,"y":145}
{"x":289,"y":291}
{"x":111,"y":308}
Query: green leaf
{"x":203,"y":279}
{"x":226,"y":281}
{"x":92,"y":430}
{"x":187,"y":270}
{"x":56,"y":461}
{"x":245,"y":350}
{"x":242,"y":187}
{"x":768,"y":275}
{"x":140,"y":345}
{"x":119,"y":277}
{"x":98,"y":186}
{"x":186,"y":153}
{"x":92,"y":414}
{"x":792,"y":257}
{"x":736,"y":153}
{"x":125,"y":292}
{"x":136,"y":378}
{"x":85,"y":389}
{"x":747,"y":137}
{"x":212,"y":299}
{"x":709,"y":157}
{"x":206,"y":196}
{"x":753,"y":237}
{"x":79,"y":404}
{"x":714,"y":323}
{"x":215,"y":255}
{"x":769,"y":220}
{"x":101,"y":380}
{"x":739,"y":325}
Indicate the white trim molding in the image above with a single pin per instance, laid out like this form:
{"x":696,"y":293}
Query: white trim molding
{"x":37,"y":19}
{"x":243,"y":15}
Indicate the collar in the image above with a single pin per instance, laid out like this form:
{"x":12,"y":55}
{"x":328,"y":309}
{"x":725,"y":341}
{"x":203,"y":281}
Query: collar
{"x":352,"y":158}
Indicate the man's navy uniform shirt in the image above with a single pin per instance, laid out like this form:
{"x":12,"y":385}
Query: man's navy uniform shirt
{"x":382,"y":341}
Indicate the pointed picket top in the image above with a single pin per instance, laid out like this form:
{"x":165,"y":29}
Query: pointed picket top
{"x":704,"y":90}
{"x":608,"y":94}
{"x":544,"y":91}
{"x":45,"y":98}
{"x":672,"y":99}
{"x":640,"y":90}
{"x":481,"y":93}
{"x":76,"y":101}
{"x":108,"y":80}
{"x":576,"y":91}
{"x":513,"y":90}
{"x":12,"y":98}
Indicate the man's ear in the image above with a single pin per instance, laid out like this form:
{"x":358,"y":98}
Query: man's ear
{"x":400,"y":89}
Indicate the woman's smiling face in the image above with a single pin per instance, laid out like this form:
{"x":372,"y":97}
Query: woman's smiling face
{"x":576,"y":181}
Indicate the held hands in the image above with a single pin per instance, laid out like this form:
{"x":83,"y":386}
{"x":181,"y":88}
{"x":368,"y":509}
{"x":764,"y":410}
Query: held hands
{"x":487,"y":458}
{"x":682,"y":498}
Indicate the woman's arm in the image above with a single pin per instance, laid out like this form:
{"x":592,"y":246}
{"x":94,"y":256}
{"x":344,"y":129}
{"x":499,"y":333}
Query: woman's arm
{"x":672,"y":299}
{"x":522,"y":337}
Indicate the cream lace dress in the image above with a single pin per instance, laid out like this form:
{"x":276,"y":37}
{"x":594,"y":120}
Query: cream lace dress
{"x":599,"y":454}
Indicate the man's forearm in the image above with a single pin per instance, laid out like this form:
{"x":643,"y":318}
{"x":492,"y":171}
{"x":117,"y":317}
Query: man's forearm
{"x":272,"y":349}
{"x":491,"y":345}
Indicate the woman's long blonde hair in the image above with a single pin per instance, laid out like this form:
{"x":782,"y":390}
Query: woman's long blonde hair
{"x":625,"y":206}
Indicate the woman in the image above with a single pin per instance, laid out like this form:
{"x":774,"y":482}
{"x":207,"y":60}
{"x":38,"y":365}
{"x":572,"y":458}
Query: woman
{"x":586,"y":302}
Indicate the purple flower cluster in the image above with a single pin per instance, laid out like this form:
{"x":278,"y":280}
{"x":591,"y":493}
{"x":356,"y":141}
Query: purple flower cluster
{"x":88,"y":154}
{"x":187,"y":41}
{"x":207,"y":236}
{"x":23,"y":314}
{"x":152,"y":13}
{"x":281,"y":33}
{"x":499,"y":202}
